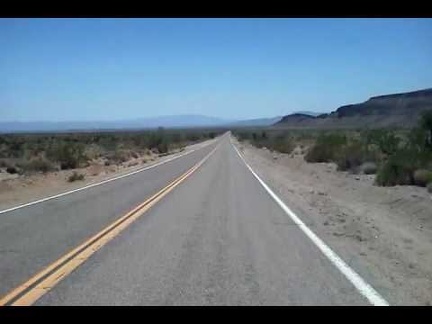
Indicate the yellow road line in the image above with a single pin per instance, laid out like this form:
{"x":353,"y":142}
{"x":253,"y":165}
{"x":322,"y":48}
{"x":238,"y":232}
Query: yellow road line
{"x":62,"y":267}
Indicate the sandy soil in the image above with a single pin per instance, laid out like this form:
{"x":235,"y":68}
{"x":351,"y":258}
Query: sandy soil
{"x":384,"y":233}
{"x":16,"y":190}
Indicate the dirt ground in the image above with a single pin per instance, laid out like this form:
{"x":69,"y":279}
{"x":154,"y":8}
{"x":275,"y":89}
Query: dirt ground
{"x":384,"y":233}
{"x":19,"y":189}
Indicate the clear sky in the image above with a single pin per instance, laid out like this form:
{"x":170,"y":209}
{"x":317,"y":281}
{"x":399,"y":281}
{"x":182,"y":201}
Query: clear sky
{"x":110,"y":69}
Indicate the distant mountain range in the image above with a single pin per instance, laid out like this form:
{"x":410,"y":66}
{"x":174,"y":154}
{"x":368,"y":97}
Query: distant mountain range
{"x":394,"y":110}
{"x":173,"y":121}
{"x":256,"y":122}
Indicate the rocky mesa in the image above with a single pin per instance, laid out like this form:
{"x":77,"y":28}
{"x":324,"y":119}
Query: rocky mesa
{"x":394,"y":110}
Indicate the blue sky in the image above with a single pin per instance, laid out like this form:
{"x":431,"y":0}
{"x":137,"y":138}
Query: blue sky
{"x":110,"y":69}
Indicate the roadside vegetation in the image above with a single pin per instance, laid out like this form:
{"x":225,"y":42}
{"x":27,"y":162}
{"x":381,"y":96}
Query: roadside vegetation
{"x":280,"y":142}
{"x":396,"y":156}
{"x":42,"y":153}
{"x":75,"y":176}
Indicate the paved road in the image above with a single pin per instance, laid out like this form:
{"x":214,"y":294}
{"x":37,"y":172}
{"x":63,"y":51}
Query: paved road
{"x":216,"y":239}
{"x":32,"y":237}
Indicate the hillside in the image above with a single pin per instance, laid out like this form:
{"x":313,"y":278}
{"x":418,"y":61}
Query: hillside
{"x":394,"y":110}
{"x":256,"y":122}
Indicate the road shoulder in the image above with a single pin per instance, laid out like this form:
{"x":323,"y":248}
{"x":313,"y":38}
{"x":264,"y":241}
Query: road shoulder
{"x":383,"y":233}
{"x":25,"y":189}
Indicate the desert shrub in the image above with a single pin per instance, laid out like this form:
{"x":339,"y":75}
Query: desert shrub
{"x":108,"y":143}
{"x":259,"y":143}
{"x":11,"y":170}
{"x":75,"y":177}
{"x":38,"y":164}
{"x":177,"y":138}
{"x":387,"y":141}
{"x":242,"y":136}
{"x":426,"y":124}
{"x":326,"y":148}
{"x":422,"y":177}
{"x":318,"y":153}
{"x":368,"y":168}
{"x":398,"y":169}
{"x":417,"y":140}
{"x":159,"y":140}
{"x":118,"y":156}
{"x":162,"y":147}
{"x":193,"y":137}
{"x":14,"y":148}
{"x":69,"y":154}
{"x":350,"y":157}
{"x":72,"y":150}
{"x":281,"y":144}
{"x":416,"y":154}
{"x":93,"y":151}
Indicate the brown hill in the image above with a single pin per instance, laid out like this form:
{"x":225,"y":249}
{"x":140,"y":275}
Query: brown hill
{"x":394,"y":110}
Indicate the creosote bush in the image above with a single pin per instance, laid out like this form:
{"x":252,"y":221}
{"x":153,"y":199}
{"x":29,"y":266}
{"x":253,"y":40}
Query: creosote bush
{"x":368,"y":168}
{"x":422,"y":177}
{"x":75,"y":176}
{"x":326,"y":148}
{"x":37,"y":164}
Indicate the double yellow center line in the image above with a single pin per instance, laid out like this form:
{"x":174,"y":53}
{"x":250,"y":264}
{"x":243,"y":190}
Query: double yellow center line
{"x":38,"y":285}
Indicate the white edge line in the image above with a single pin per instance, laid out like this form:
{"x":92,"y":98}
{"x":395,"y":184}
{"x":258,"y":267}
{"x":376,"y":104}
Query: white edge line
{"x":362,"y":286}
{"x":98,"y":183}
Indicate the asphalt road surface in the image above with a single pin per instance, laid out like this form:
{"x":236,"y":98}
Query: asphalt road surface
{"x":218,"y":238}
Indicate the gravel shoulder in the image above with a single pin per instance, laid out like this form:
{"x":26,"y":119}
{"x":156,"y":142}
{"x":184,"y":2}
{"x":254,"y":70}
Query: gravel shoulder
{"x":16,"y":190}
{"x":384,"y":233}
